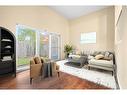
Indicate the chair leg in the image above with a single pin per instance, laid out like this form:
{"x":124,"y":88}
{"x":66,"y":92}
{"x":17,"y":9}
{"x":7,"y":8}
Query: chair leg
{"x":112,"y":73}
{"x":88,"y":67}
{"x":30,"y":80}
{"x":58,"y":73}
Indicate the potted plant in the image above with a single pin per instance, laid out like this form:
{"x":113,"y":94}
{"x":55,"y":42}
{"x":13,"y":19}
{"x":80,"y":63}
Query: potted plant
{"x":67,"y":50}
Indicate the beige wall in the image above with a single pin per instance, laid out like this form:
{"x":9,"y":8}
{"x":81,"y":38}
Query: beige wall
{"x":121,"y":45}
{"x":101,"y":22}
{"x":35,"y":17}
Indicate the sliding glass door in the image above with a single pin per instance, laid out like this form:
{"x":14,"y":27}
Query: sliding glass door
{"x":49,"y":45}
{"x":26,"y":45}
{"x":32,"y":42}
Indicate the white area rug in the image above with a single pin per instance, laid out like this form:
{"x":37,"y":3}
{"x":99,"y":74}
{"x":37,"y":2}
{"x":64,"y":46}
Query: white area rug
{"x":98,"y":77}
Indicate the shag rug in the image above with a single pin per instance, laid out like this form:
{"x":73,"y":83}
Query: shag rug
{"x":100,"y":77}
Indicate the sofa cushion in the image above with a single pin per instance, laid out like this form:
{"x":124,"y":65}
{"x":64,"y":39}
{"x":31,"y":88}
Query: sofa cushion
{"x":104,"y":63}
{"x":99,"y":56}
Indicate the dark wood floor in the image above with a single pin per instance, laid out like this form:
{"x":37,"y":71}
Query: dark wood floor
{"x":65,"y":81}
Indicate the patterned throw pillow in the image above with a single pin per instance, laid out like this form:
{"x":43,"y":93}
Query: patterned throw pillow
{"x":111,"y":56}
{"x":107,"y":54}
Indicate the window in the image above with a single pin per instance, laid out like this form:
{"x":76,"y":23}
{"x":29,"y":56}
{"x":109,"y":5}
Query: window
{"x":88,"y":37}
{"x":31,"y":42}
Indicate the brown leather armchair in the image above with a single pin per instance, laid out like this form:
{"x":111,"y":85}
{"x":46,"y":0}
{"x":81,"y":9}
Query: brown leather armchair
{"x":36,"y":67}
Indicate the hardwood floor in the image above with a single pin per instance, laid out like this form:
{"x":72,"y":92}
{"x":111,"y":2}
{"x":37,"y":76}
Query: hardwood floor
{"x":65,"y":81}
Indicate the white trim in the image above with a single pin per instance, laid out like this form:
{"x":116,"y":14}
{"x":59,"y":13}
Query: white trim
{"x":58,"y":46}
{"x":16,"y":46}
{"x":37,"y":43}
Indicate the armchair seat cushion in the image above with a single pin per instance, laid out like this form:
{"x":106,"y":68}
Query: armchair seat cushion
{"x":104,"y":63}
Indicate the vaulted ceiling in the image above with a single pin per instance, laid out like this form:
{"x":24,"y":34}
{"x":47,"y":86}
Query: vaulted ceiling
{"x":72,"y":12}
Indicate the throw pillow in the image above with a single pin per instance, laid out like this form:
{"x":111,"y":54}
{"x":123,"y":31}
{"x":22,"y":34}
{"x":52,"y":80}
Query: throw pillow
{"x":111,"y":56}
{"x":96,"y":53}
{"x":99,"y":56}
{"x":107,"y":58}
{"x":106,"y":54}
{"x":102,"y":52}
{"x":37,"y":60}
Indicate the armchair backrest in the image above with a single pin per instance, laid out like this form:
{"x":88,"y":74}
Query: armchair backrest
{"x":32,"y":62}
{"x":37,"y":60}
{"x":44,"y":59}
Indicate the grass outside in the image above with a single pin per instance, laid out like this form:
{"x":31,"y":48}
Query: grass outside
{"x":23,"y":61}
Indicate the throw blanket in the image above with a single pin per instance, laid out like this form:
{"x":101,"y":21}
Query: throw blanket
{"x":48,"y":69}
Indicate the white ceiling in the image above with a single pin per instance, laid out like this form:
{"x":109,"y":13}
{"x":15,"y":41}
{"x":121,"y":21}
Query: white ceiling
{"x":72,"y":12}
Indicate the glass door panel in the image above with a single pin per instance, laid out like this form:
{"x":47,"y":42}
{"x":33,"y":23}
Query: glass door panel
{"x":55,"y":47}
{"x":44,"y":44}
{"x":26,"y":45}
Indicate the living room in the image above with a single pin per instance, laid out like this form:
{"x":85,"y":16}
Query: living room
{"x":100,"y":25}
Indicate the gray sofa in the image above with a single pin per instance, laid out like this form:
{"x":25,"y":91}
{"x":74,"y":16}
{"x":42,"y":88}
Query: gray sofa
{"x":102,"y":63}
